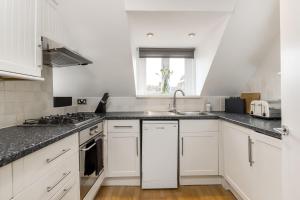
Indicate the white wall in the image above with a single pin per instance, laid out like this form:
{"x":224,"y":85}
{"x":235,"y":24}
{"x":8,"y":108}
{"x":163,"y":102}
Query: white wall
{"x":100,"y":30}
{"x":132,"y":104}
{"x":252,"y":27}
{"x":266,"y":79}
{"x":20,"y":100}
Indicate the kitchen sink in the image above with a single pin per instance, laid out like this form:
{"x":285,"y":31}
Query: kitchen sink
{"x":192,"y":113}
{"x":171,"y":113}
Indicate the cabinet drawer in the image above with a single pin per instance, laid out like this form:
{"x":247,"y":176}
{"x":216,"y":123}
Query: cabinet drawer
{"x":52,"y":182}
{"x":94,"y":130}
{"x":192,"y":126}
{"x":70,"y":191}
{"x":30,"y":168}
{"x":123,"y":126}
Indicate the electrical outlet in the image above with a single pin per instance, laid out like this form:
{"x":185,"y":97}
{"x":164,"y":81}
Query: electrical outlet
{"x":81,"y":101}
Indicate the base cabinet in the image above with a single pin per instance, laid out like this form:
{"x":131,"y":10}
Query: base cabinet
{"x":252,"y":163}
{"x":266,"y":168}
{"x":123,"y":148}
{"x":237,"y":169}
{"x":199,"y":147}
{"x":6,"y":182}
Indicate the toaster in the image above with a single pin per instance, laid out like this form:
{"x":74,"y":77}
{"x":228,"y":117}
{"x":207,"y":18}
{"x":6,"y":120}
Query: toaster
{"x":266,"y":109}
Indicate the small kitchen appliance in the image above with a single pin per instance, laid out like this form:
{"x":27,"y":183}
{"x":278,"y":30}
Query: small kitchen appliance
{"x":235,"y":105}
{"x":266,"y":109}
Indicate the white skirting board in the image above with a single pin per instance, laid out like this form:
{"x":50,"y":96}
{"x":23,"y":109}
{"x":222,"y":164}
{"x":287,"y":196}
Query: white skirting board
{"x":200,"y":180}
{"x":122,"y":181}
{"x":227,"y":186}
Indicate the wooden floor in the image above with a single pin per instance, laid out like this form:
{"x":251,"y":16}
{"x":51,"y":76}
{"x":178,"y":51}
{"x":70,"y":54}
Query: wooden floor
{"x":183,"y":193}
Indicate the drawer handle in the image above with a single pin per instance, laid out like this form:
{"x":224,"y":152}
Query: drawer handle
{"x":64,"y":192}
{"x":49,"y":160}
{"x":49,"y":188}
{"x":123,"y":126}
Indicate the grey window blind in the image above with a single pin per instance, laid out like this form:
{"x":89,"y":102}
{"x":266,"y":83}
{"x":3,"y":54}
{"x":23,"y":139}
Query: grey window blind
{"x":166,"y":52}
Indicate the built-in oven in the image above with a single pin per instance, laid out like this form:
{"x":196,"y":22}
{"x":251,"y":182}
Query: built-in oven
{"x":90,"y":157}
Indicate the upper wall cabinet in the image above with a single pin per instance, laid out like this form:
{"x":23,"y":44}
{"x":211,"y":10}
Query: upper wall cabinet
{"x":20,"y":39}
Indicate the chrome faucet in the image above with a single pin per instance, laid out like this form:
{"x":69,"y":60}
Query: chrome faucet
{"x":174,"y":100}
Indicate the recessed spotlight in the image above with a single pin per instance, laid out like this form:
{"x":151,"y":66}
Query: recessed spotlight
{"x":150,"y":35}
{"x":191,"y":35}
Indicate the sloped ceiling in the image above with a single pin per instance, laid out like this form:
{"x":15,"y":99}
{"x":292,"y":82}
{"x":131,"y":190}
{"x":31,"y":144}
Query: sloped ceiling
{"x":252,"y":29}
{"x":101,"y":30}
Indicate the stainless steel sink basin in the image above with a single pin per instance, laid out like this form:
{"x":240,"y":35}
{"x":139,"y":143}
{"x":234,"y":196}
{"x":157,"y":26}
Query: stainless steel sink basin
{"x":183,"y":113}
{"x":192,"y":113}
{"x":160,"y":113}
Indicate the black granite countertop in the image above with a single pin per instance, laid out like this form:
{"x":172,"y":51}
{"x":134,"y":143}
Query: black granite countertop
{"x":17,"y":142}
{"x":264,"y":126}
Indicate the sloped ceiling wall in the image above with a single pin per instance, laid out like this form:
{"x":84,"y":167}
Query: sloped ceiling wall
{"x":100,"y":30}
{"x":252,"y":29}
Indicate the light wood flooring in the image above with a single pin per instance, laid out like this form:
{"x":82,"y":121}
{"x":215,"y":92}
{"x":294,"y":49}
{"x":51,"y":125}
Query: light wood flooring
{"x":215,"y":192}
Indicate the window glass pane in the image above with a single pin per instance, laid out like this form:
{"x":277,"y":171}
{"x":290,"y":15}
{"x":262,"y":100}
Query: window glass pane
{"x":153,"y":75}
{"x":177,"y":67}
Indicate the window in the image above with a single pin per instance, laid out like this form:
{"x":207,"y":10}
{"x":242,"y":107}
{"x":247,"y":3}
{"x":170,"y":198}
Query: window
{"x":161,"y":74}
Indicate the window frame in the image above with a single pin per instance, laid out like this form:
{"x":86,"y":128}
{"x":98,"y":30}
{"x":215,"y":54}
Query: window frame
{"x":190,"y":78}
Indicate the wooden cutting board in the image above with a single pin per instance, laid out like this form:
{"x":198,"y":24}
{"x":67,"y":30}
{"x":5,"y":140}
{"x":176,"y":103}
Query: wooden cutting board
{"x":248,"y":98}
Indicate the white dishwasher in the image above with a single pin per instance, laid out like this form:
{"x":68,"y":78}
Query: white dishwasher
{"x":159,"y":154}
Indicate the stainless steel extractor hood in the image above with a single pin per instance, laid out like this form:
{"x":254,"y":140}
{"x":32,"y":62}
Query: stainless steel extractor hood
{"x":57,"y":55}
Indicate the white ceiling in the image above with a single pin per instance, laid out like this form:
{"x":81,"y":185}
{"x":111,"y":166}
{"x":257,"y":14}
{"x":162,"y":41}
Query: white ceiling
{"x":101,"y":30}
{"x":171,"y":29}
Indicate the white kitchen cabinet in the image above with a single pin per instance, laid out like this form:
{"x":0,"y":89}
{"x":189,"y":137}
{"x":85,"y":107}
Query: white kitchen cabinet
{"x":199,"y":147}
{"x":20,"y":39}
{"x":123,"y":148}
{"x":266,"y":167}
{"x":53,"y":170}
{"x":252,"y":163}
{"x":237,"y":169}
{"x":6,"y":182}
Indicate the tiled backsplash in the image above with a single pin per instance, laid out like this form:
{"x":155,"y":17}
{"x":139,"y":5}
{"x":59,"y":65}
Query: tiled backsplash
{"x":116,"y":104}
{"x":20,"y":100}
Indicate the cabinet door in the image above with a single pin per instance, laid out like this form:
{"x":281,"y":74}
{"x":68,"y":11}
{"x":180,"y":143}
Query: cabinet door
{"x":123,"y":154}
{"x":199,"y":154}
{"x":6,"y":182}
{"x":237,"y":169}
{"x":20,"y":37}
{"x":267,"y":168}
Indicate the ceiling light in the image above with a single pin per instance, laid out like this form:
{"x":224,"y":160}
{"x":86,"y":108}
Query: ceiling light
{"x":191,"y":35}
{"x":150,"y":35}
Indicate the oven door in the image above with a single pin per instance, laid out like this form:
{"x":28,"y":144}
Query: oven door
{"x":90,"y":165}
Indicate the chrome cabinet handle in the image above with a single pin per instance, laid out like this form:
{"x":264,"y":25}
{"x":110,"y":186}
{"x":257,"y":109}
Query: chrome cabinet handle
{"x":86,"y":149}
{"x":137,"y":146}
{"x":182,"y":146}
{"x":123,"y":126}
{"x":64,"y":192}
{"x":250,"y":155}
{"x":64,"y":175}
{"x":284,"y":130}
{"x":49,"y":160}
